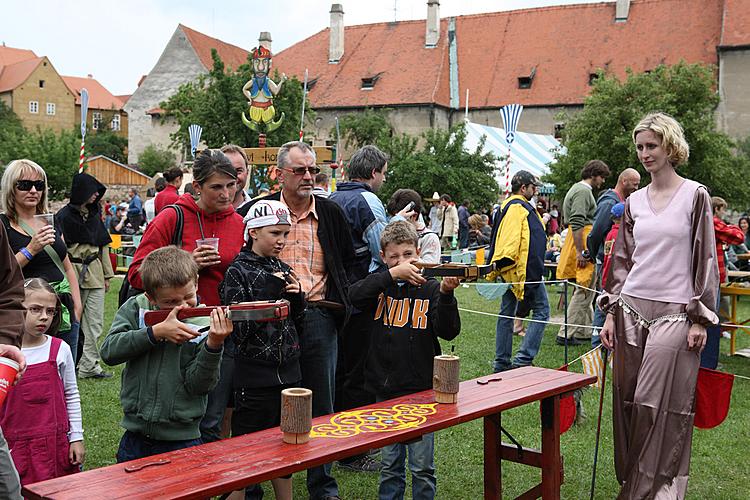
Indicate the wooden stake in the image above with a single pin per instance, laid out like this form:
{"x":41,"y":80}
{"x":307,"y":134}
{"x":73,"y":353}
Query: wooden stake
{"x":296,"y":415}
{"x":445,"y":378}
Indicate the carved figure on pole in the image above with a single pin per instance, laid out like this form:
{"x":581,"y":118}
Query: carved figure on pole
{"x":260,"y":91}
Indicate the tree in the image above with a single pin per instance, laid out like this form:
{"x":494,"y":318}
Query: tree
{"x":154,"y":160}
{"x":105,"y":141}
{"x":216,"y":102}
{"x":603,"y":129}
{"x":441,"y":163}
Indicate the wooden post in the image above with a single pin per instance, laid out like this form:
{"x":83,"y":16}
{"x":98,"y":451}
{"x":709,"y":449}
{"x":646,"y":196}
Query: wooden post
{"x":296,"y":415}
{"x":445,"y":378}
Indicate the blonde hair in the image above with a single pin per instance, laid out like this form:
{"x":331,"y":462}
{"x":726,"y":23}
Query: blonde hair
{"x":13,"y":173}
{"x":167,"y":267}
{"x":398,"y":232}
{"x":717,"y":203}
{"x":476,"y":221}
{"x":671,"y":134}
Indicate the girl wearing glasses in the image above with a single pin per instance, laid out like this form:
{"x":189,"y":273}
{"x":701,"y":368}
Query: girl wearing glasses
{"x":39,"y":247}
{"x":50,"y":444}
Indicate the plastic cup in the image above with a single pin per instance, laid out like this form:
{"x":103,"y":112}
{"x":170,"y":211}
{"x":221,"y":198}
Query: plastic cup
{"x":208,"y":242}
{"x":8,"y":371}
{"x":48,"y":219}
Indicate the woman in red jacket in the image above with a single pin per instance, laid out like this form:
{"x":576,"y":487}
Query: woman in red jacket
{"x":212,"y":216}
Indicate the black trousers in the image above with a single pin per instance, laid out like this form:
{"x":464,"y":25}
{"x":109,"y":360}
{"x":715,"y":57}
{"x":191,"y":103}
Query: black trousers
{"x":354,"y":344}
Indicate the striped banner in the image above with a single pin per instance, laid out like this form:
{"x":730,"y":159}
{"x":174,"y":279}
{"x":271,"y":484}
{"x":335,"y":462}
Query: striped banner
{"x":84,"y":112}
{"x":195,"y":132}
{"x":593,"y":364}
{"x":510,"y":114}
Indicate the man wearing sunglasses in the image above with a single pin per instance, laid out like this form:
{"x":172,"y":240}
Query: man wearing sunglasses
{"x":319,"y":249}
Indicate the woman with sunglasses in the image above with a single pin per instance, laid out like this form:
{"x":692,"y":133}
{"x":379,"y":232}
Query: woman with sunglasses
{"x":39,"y":247}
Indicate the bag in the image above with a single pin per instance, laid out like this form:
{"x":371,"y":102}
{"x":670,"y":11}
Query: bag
{"x":126,"y":290}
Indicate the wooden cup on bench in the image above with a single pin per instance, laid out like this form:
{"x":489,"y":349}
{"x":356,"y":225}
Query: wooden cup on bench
{"x":296,"y":415}
{"x":445,"y":378}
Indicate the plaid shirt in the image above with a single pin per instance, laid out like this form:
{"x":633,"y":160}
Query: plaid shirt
{"x":304,"y":253}
{"x":726,"y":234}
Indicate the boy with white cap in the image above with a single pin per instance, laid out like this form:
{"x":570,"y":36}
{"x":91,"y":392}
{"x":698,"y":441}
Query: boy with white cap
{"x":267,"y":354}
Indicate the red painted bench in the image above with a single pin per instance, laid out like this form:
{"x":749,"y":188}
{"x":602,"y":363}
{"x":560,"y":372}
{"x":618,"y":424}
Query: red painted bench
{"x":231,"y":464}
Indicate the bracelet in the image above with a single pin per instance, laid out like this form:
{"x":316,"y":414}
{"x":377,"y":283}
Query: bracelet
{"x":25,"y":252}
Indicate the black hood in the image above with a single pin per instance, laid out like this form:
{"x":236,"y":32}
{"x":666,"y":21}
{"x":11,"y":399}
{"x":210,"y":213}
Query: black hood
{"x":84,"y":185}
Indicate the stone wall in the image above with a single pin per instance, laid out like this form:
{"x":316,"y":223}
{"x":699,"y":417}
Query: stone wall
{"x":733,"y":113}
{"x":178,"y":64}
{"x":54,"y":91}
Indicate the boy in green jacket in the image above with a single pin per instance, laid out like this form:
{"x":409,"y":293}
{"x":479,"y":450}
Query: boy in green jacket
{"x":170,"y":367}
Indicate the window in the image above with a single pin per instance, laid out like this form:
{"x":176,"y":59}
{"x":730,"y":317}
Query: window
{"x":524,"y":82}
{"x":41,"y":84}
{"x":368,"y":83}
{"x":51,"y":108}
{"x":115,"y":125}
{"x":559,"y":128}
{"x":34,"y":107}
{"x":593,"y":77}
{"x":96,"y":120}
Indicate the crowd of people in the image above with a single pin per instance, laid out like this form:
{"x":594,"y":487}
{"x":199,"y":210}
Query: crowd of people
{"x":346,"y":262}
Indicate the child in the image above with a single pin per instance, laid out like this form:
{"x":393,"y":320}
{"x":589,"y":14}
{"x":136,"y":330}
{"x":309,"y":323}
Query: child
{"x":609,"y":241}
{"x":267,"y":354}
{"x":169,"y":367}
{"x":409,"y":314}
{"x":41,"y":417}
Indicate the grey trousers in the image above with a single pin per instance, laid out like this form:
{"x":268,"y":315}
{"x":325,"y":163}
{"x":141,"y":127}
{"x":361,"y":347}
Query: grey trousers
{"x":92,"y":321}
{"x":10,"y":485}
{"x":580,"y":312}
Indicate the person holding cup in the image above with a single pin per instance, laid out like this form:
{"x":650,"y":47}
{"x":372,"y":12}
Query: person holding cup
{"x":212,"y":231}
{"x":40,"y":249}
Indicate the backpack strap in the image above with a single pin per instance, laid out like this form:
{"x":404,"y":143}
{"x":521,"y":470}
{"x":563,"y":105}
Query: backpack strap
{"x":179,"y":225}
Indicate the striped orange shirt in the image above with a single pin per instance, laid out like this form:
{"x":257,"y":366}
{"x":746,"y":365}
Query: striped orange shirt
{"x":304,"y":253}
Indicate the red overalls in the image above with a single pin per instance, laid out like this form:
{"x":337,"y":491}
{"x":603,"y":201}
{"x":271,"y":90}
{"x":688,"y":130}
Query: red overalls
{"x":35,"y":422}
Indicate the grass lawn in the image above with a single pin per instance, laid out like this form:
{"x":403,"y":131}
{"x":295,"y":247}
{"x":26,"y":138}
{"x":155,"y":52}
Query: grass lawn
{"x":719,"y":469}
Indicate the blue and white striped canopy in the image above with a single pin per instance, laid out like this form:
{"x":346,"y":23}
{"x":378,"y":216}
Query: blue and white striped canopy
{"x":532,"y":152}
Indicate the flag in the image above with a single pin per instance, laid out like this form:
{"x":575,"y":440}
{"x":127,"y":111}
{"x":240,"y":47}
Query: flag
{"x":593,"y":364}
{"x":511,"y":114}
{"x":84,"y":112}
{"x":195,"y":132}
{"x":713,"y":393}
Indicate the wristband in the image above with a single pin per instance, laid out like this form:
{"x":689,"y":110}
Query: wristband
{"x":25,"y":252}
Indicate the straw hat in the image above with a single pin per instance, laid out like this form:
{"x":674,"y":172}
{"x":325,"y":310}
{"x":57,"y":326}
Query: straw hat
{"x":435,"y":197}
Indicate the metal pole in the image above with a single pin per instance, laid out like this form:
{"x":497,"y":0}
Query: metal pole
{"x":304,"y":98}
{"x":599,"y":421}
{"x":565,"y":305}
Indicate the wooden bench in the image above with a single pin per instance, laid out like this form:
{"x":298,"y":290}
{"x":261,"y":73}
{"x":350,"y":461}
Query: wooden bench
{"x":231,"y":464}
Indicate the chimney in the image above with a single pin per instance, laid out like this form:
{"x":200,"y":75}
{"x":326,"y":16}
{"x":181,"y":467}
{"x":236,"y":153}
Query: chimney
{"x":621,"y":11}
{"x":264,"y":40}
{"x":432,"y":32}
{"x":90,"y":75}
{"x":336,"y":35}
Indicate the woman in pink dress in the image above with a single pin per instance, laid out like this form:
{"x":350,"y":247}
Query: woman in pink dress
{"x":660,"y":295}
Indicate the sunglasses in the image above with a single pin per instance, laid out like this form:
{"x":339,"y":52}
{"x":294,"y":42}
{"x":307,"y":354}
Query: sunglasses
{"x":302,"y":170}
{"x":26,"y":185}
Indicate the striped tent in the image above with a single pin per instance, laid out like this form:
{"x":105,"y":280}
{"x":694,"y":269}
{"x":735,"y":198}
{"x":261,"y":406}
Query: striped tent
{"x":532,"y":152}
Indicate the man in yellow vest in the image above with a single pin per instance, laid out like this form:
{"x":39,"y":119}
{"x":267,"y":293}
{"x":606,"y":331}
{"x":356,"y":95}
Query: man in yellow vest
{"x":575,"y":262}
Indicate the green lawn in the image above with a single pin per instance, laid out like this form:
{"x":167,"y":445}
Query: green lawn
{"x":719,"y":470}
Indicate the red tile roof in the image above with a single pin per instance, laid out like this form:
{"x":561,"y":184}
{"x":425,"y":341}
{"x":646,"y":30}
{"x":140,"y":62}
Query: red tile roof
{"x":563,"y":43}
{"x":9,"y":55}
{"x":99,"y":97}
{"x":231,"y":55}
{"x":736,"y":31}
{"x":13,"y":75}
{"x":124,"y":98}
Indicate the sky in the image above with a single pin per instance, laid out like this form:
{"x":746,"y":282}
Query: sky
{"x":118,"y":41}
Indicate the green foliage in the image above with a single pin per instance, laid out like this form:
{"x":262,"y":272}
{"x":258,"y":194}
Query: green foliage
{"x":154,"y":160}
{"x":106,"y":142}
{"x":438,"y":162}
{"x":216,"y":102}
{"x":686,"y":91}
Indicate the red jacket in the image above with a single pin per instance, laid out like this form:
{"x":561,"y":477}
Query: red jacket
{"x":226,"y":225}
{"x":726,"y":234}
{"x":609,"y":246}
{"x":166,"y":196}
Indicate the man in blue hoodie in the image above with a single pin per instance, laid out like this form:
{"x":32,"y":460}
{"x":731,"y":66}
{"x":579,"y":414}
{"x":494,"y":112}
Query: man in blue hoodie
{"x":627,"y":183}
{"x":367,"y":218}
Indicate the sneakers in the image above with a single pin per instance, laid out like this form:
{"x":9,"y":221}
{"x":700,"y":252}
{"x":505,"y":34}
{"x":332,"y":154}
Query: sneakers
{"x":99,"y":375}
{"x":362,"y":463}
{"x":571,"y":341}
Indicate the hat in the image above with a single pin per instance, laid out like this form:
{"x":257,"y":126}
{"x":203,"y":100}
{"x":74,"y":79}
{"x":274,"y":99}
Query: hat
{"x":123,"y":206}
{"x":618,"y":209}
{"x":524,"y":178}
{"x":266,"y":213}
{"x":435,"y":197}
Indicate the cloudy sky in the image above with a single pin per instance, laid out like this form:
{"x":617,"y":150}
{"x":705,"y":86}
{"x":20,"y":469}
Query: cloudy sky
{"x":117,"y":41}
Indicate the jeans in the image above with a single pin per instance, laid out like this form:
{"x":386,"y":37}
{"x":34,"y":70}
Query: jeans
{"x":710,"y":354}
{"x":421,"y":465}
{"x":535,"y":297}
{"x":71,"y":338}
{"x":134,"y":445}
{"x":319,"y":350}
{"x":219,"y":397}
{"x":463,"y":237}
{"x":599,"y":315}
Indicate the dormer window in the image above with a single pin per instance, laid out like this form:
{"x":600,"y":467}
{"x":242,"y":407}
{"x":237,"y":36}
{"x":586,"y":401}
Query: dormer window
{"x":593,"y":77}
{"x":369,"y":82}
{"x":524,"y":82}
{"x":311,"y":83}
